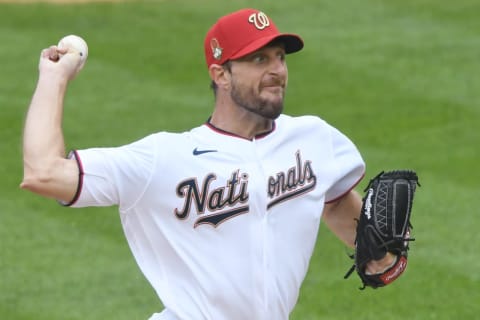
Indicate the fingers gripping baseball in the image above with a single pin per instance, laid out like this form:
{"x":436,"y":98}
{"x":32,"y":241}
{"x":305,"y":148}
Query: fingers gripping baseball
{"x":67,"y":58}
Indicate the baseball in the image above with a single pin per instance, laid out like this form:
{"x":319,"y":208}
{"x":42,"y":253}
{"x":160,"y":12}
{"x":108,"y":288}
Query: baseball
{"x":75,"y":43}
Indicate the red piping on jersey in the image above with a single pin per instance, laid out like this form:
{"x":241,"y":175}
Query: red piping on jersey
{"x":346,"y":192}
{"x":221,"y":131}
{"x":74,"y":153}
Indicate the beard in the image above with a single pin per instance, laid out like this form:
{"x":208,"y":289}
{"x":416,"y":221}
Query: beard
{"x":250,"y":100}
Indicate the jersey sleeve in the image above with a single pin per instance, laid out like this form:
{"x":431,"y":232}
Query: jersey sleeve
{"x":348,"y":163}
{"x":114,"y":176}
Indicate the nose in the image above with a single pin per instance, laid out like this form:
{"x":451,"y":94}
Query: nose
{"x":279,"y":67}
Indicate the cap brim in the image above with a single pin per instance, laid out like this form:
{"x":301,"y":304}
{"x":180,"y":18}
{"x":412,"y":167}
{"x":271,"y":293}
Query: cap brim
{"x":293,"y":43}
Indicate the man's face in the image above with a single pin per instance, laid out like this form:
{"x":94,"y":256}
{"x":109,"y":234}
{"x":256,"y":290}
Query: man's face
{"x":259,"y":80}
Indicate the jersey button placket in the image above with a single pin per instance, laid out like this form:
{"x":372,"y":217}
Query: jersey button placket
{"x":263,"y":238}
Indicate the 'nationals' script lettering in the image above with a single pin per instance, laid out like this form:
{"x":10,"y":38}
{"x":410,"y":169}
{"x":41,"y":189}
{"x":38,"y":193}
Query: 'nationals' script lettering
{"x":296,"y":181}
{"x":224,"y":199}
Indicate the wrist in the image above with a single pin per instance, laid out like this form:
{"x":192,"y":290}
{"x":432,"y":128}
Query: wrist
{"x":53,"y":77}
{"x":380,"y":266}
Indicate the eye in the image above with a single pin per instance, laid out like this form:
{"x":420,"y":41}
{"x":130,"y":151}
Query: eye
{"x":259,"y":58}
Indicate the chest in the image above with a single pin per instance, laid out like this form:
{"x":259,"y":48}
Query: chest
{"x":212,"y":184}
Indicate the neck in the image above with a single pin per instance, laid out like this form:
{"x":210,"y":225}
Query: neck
{"x":242,"y":123}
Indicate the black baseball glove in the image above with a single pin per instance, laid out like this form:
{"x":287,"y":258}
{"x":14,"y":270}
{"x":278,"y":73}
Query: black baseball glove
{"x":384,"y":225}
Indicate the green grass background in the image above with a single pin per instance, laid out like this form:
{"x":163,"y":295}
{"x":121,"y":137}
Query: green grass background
{"x":401,"y":78}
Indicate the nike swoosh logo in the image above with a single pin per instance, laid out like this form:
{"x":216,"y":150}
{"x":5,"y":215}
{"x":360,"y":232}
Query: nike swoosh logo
{"x":197,"y":152}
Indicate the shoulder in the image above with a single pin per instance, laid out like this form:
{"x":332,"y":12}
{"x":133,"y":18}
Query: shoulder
{"x":166,"y":145}
{"x":303,"y":124}
{"x":300,"y":120}
{"x":307,"y":122}
{"x":143,"y":150}
{"x":164,"y":139}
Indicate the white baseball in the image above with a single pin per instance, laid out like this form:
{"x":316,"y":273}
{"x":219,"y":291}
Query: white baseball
{"x":77,"y":44}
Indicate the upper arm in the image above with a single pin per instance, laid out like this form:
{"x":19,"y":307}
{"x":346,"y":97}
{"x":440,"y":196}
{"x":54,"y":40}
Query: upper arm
{"x":58,"y":180}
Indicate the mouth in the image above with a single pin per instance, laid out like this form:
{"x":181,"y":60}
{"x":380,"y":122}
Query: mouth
{"x":273,"y":86}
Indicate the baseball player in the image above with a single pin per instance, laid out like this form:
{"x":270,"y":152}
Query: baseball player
{"x":222,"y":219}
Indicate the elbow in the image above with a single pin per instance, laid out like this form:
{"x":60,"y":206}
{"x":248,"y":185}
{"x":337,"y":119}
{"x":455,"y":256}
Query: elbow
{"x":33,"y":181}
{"x":51,"y":179}
{"x":35,"y":177}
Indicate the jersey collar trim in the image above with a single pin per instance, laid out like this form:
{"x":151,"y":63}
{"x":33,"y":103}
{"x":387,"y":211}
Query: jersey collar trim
{"x":224,"y":132}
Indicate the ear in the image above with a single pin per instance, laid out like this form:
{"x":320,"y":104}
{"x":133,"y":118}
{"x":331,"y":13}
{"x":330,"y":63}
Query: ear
{"x":219,"y":75}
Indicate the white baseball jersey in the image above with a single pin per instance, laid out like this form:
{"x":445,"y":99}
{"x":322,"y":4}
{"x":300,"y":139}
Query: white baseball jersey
{"x":223,"y":227}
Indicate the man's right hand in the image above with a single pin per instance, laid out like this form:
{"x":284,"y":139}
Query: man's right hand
{"x":62,"y":62}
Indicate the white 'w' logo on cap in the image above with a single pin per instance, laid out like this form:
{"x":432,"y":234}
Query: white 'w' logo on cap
{"x":259,"y":20}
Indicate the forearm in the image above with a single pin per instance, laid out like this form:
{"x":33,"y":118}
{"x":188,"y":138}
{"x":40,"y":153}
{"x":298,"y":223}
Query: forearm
{"x":43,"y":142}
{"x":341,"y":217}
{"x":46,"y":171}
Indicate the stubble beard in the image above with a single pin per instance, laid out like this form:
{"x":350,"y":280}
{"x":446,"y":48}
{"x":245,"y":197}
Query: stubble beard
{"x":251,"y":101}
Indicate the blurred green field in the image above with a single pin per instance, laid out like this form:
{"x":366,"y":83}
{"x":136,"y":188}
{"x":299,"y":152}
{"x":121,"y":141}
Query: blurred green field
{"x":401,"y":78}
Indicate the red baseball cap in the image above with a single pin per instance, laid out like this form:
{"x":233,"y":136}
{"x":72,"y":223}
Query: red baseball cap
{"x":242,"y":32}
